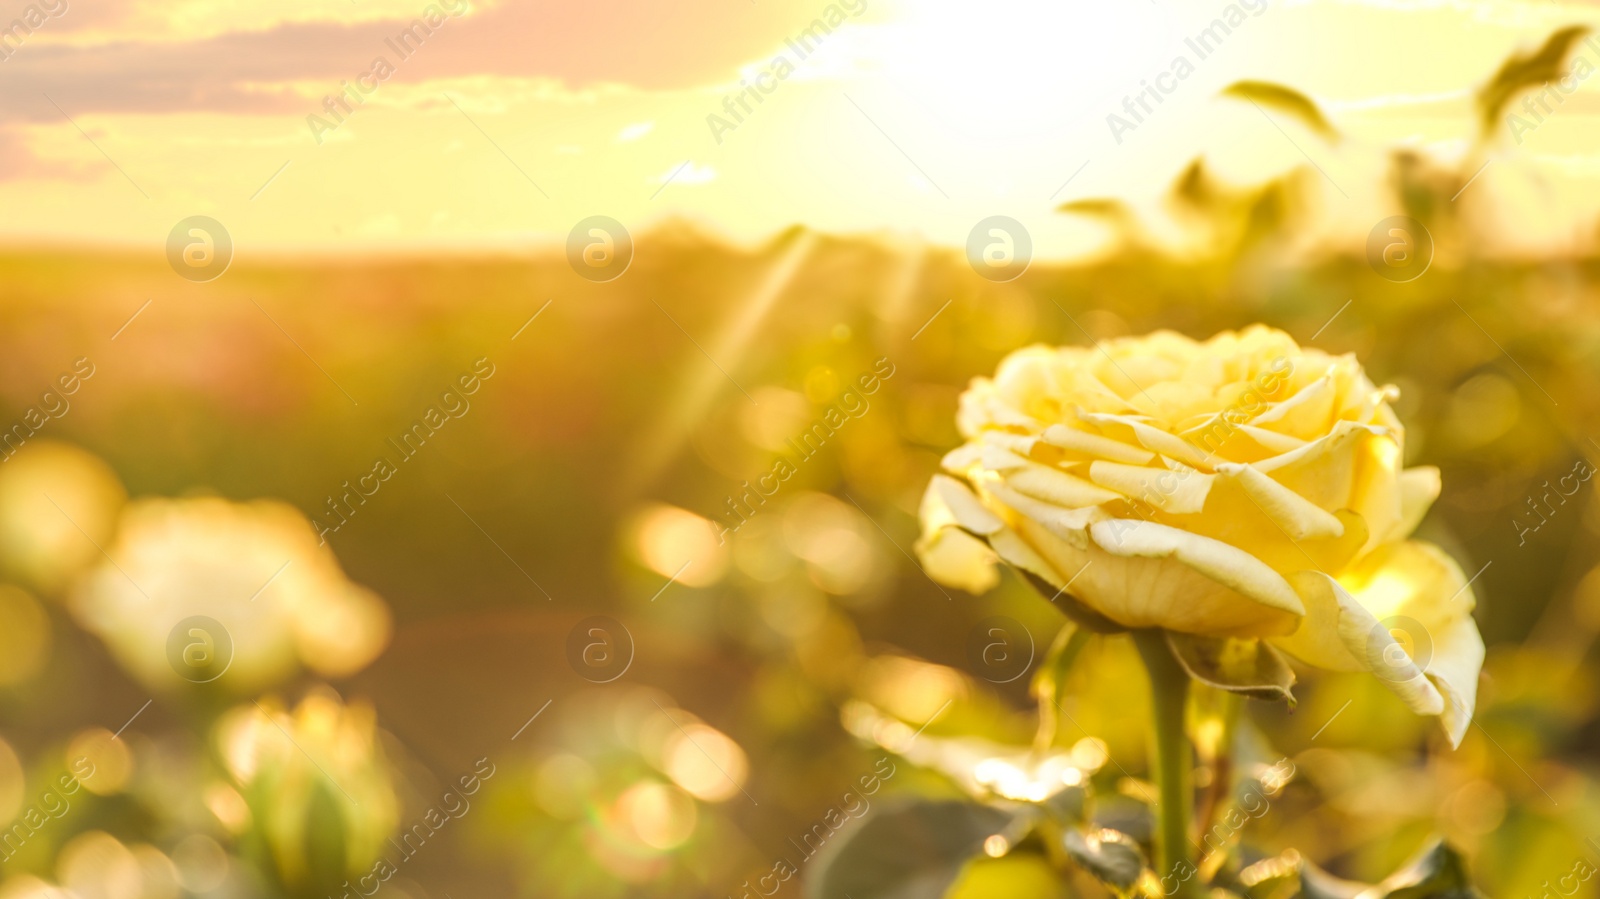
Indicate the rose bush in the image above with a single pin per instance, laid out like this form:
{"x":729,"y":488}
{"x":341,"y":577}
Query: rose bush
{"x":1240,"y":488}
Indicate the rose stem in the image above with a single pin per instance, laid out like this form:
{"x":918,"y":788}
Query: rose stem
{"x":1221,"y":788}
{"x":1169,"y":691}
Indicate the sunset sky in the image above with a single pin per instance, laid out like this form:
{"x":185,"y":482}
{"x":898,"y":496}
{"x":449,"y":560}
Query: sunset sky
{"x":513,"y":120}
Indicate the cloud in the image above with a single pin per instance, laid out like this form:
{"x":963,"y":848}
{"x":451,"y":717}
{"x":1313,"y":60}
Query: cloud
{"x":171,"y":21}
{"x":634,"y":132}
{"x":687,"y":173}
{"x":247,"y":72}
{"x":19,"y":162}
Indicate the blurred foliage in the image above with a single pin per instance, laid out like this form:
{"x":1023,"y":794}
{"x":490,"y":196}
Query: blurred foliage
{"x":776,"y":665}
{"x":1286,"y":100}
{"x":1524,"y":71}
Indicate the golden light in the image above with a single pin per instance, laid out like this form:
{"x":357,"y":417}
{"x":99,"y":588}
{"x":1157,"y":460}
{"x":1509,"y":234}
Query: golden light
{"x":1003,"y":778}
{"x":893,"y":735}
{"x":1030,"y":51}
{"x":56,"y":503}
{"x":909,"y":689}
{"x":776,"y":417}
{"x":562,"y":785}
{"x":95,"y":750}
{"x":676,"y":543}
{"x":1287,"y":864}
{"x":26,"y":886}
{"x":834,"y":540}
{"x":1477,"y":808}
{"x":1276,"y":777}
{"x":759,"y":552}
{"x":1010,"y":781}
{"x":201,"y":863}
{"x":793,"y":610}
{"x":660,"y":816}
{"x":1481,"y":410}
{"x":1090,"y":754}
{"x":339,"y":639}
{"x":822,"y":384}
{"x":845,"y":561}
{"x":705,"y":762}
{"x":97,"y":864}
{"x":158,"y":873}
{"x":229,"y":807}
{"x":996,"y":845}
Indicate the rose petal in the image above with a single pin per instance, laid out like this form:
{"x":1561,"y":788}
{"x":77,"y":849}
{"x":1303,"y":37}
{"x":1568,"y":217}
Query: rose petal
{"x":1094,"y":445}
{"x":1150,"y":437}
{"x":1223,"y":563}
{"x":1066,"y":524}
{"x":1016,"y":551}
{"x":1414,"y":590}
{"x":1419,"y":487}
{"x":962,"y":459}
{"x":1375,"y":492}
{"x":1272,"y":441}
{"x":1307,"y":412}
{"x":998,"y":458}
{"x":1143,"y":574}
{"x":1057,"y":487}
{"x":1324,"y":470}
{"x":949,"y":503}
{"x":1337,"y":620}
{"x":1222,"y":438}
{"x":1179,"y":492}
{"x":1299,"y":518}
{"x":957,"y":559}
{"x":1457,"y":659}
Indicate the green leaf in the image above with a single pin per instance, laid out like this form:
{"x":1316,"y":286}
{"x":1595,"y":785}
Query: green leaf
{"x":910,"y":851}
{"x":1525,"y":70}
{"x":326,"y":842}
{"x":1070,"y":804}
{"x":1048,"y":678}
{"x":1112,"y":857}
{"x":1286,"y":100}
{"x":1019,"y":875}
{"x":1237,"y":665}
{"x":1316,"y":883}
{"x":1437,"y":872}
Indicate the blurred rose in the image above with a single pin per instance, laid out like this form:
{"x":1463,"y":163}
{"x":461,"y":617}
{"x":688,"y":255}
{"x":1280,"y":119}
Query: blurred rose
{"x":316,"y":783}
{"x":57,"y":504}
{"x":254,"y":568}
{"x":1240,"y":487}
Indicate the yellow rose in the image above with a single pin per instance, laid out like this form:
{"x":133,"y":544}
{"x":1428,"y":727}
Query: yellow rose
{"x":1242,"y":487}
{"x":253,"y":568}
